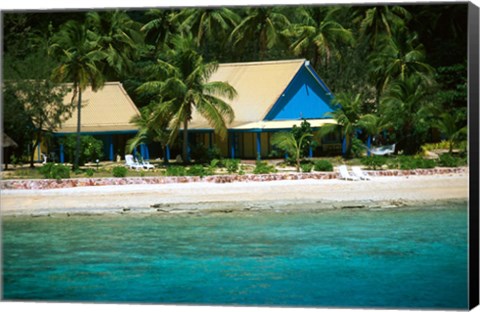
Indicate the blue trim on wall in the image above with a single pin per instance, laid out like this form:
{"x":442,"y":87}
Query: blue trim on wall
{"x":320,"y":81}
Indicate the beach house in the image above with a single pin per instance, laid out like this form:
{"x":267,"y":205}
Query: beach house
{"x":271,"y":96}
{"x":106,"y":115}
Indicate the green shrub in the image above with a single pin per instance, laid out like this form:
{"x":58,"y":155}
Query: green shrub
{"x":15,"y":161}
{"x":89,"y":172}
{"x":215,"y":163}
{"x":447,"y":160}
{"x":55,"y":171}
{"x":435,"y":146}
{"x":426,"y":163}
{"x":263,"y":168}
{"x":358,"y":148}
{"x":306,"y":167}
{"x":91,"y":149}
{"x":197,"y":171}
{"x":176,"y":171}
{"x":407,"y":163}
{"x":410,"y":163}
{"x":203,"y":154}
{"x":232,"y":165}
{"x":323,"y":165}
{"x":374,"y":162}
{"x":212,"y":167}
{"x":119,"y":172}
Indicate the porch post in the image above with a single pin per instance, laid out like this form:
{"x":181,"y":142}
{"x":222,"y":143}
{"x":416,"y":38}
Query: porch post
{"x":167,"y":152}
{"x":147,"y":153}
{"x":188,"y":147}
{"x":142,"y":150}
{"x":232,"y":145}
{"x":369,"y":144}
{"x":310,"y":151}
{"x":111,"y":152}
{"x":259,"y":146}
{"x":344,"y":146}
{"x":62,"y":154}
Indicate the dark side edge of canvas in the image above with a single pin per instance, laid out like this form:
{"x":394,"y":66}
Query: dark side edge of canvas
{"x":473,"y":95}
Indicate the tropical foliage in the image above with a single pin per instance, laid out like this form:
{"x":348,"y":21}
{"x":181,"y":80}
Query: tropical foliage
{"x":184,"y":86}
{"x":34,"y":107}
{"x":394,"y":70}
{"x":292,"y":145}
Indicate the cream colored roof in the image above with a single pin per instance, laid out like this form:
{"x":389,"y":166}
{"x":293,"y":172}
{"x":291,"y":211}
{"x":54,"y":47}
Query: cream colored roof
{"x":283,"y":124}
{"x":108,"y":109}
{"x":258,"y":86}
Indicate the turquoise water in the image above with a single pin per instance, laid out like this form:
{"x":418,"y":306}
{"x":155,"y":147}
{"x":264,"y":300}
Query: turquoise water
{"x":401,"y":258}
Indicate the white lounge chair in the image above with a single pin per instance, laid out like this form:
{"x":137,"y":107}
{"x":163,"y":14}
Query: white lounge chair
{"x":147,"y":165}
{"x":357,"y":171}
{"x":383,"y":150}
{"x":132,"y":163}
{"x":345,"y":175}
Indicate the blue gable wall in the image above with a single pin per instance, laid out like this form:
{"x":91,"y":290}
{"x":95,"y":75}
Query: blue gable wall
{"x":304,"y":97}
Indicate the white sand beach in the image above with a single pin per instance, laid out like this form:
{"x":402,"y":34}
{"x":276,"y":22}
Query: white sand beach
{"x":188,"y":197}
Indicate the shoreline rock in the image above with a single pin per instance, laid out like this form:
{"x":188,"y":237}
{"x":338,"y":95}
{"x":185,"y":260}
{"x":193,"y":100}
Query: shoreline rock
{"x":207,"y":208}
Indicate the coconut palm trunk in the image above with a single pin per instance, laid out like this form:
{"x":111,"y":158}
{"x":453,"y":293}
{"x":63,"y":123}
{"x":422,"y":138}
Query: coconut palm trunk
{"x":185,"y":142}
{"x":79,"y":125}
{"x":34,"y":147}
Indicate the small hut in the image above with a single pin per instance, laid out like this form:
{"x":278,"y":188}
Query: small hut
{"x":7,"y":144}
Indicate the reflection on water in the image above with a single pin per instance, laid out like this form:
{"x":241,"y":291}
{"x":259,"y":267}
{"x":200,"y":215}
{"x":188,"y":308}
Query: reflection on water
{"x":339,"y":258}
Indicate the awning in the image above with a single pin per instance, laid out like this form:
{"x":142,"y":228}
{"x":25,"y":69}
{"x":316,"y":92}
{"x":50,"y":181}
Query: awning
{"x":266,"y":125}
{"x":282,"y":124}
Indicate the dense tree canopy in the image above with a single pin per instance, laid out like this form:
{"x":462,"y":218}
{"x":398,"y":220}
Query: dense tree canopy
{"x":400,"y":63}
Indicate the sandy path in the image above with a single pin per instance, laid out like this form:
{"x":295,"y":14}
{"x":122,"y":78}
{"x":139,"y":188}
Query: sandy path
{"x":137,"y":197}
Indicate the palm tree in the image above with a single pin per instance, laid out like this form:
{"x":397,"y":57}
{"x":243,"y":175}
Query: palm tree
{"x":160,"y":28}
{"x":374,"y":125}
{"x":349,"y":118}
{"x":407,"y":104}
{"x":152,"y":126}
{"x":80,"y":56}
{"x":264,"y":24}
{"x":182,"y":78}
{"x":318,"y":30}
{"x":448,"y":126}
{"x":207,"y":23}
{"x":382,"y":22}
{"x":400,"y":56}
{"x":287,"y":142}
{"x":119,"y":37}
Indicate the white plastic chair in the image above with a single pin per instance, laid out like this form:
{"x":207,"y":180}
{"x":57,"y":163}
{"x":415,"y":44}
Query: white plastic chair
{"x":345,"y":175}
{"x":130,"y":162}
{"x":357,"y":171}
{"x":147,"y":165}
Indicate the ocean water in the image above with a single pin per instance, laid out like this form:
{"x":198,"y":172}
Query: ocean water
{"x":395,"y":258}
